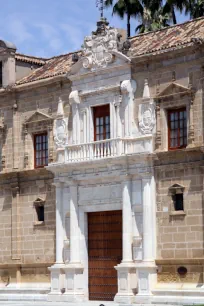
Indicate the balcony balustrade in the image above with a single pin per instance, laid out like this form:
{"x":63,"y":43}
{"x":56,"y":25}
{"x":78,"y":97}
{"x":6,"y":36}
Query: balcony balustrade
{"x":107,"y":148}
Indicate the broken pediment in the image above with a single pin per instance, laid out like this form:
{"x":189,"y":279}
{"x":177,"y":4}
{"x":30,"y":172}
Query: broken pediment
{"x":173,"y":89}
{"x":100,"y":49}
{"x":38,"y":117}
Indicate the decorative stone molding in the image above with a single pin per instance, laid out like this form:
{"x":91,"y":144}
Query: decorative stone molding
{"x":36,"y":118}
{"x":99,"y":46}
{"x":158,"y":128}
{"x":191,"y":123}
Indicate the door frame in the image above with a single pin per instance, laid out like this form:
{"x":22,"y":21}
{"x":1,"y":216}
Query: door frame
{"x":83,"y":224}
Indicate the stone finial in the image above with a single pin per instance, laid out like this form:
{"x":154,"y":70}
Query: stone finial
{"x":146,"y":92}
{"x":74,"y":97}
{"x":128,"y":87}
{"x":60,"y":108}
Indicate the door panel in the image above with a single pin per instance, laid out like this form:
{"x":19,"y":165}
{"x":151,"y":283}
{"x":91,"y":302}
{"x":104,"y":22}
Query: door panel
{"x":105,"y":252}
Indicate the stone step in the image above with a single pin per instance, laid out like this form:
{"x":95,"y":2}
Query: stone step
{"x":90,"y":303}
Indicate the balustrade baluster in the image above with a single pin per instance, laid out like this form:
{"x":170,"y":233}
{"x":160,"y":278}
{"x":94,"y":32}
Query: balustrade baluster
{"x":108,"y":148}
{"x":98,"y":150}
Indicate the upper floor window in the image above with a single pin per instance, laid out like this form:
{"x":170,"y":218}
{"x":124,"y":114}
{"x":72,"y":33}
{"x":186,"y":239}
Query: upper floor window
{"x":177,"y":129}
{"x":176,"y":192}
{"x":101,"y":122}
{"x":178,"y":201}
{"x":1,"y":74}
{"x":40,"y":150}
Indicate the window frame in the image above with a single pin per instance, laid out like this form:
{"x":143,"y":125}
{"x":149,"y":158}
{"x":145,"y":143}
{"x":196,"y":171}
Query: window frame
{"x":176,"y":201}
{"x":35,"y":151}
{"x":169,"y":112}
{"x":101,"y":111}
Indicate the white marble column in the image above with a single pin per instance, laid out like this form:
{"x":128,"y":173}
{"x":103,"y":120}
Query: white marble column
{"x":59,"y":223}
{"x":126,"y":270}
{"x":147,"y":270}
{"x":57,"y":279}
{"x":74,"y":288}
{"x":74,"y":226}
{"x":147,"y":221}
{"x":127,"y":221}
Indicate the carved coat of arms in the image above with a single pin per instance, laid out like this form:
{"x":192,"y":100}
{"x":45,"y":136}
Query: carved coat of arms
{"x":147,"y":118}
{"x":60,"y":132}
{"x":98,"y":47}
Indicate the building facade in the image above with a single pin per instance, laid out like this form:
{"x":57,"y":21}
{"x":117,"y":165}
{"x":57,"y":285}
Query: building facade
{"x":101,"y":178}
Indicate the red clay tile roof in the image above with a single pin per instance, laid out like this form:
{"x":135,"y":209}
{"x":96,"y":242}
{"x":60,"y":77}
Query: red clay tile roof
{"x":181,"y":35}
{"x":173,"y":37}
{"x":30,"y":59}
{"x":55,"y":66}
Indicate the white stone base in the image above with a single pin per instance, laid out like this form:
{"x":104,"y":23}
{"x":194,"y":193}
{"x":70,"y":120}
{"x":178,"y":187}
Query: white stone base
{"x":125,"y":294}
{"x":57,"y":281}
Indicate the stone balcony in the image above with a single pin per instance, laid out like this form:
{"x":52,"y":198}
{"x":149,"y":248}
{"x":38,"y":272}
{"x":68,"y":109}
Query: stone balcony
{"x":108,"y":148}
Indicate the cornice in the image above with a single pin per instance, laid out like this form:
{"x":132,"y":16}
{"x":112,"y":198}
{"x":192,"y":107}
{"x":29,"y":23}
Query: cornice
{"x":99,"y":90}
{"x":102,"y":71}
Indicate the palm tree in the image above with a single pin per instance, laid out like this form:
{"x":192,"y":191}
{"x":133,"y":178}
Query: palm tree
{"x":150,"y":13}
{"x":152,"y":19}
{"x":195,"y":8}
{"x":122,"y":8}
{"x":172,"y":5}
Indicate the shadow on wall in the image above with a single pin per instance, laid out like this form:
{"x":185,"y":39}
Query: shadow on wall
{"x":5,"y":203}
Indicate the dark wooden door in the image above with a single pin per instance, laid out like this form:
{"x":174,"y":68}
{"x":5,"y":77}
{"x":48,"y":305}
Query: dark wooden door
{"x":105,"y":252}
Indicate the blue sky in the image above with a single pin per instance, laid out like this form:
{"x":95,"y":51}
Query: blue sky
{"x":52,"y":27}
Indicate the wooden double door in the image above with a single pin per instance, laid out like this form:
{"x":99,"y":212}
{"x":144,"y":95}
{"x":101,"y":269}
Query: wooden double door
{"x":105,"y":252}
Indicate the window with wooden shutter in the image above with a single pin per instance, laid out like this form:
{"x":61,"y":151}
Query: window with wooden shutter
{"x":41,"y":150}
{"x":177,"y":129}
{"x":101,"y":122}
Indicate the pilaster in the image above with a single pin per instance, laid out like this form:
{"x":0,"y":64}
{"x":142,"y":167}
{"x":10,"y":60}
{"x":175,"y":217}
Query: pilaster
{"x":56,"y":269}
{"x":146,"y":269}
{"x":126,"y":269}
